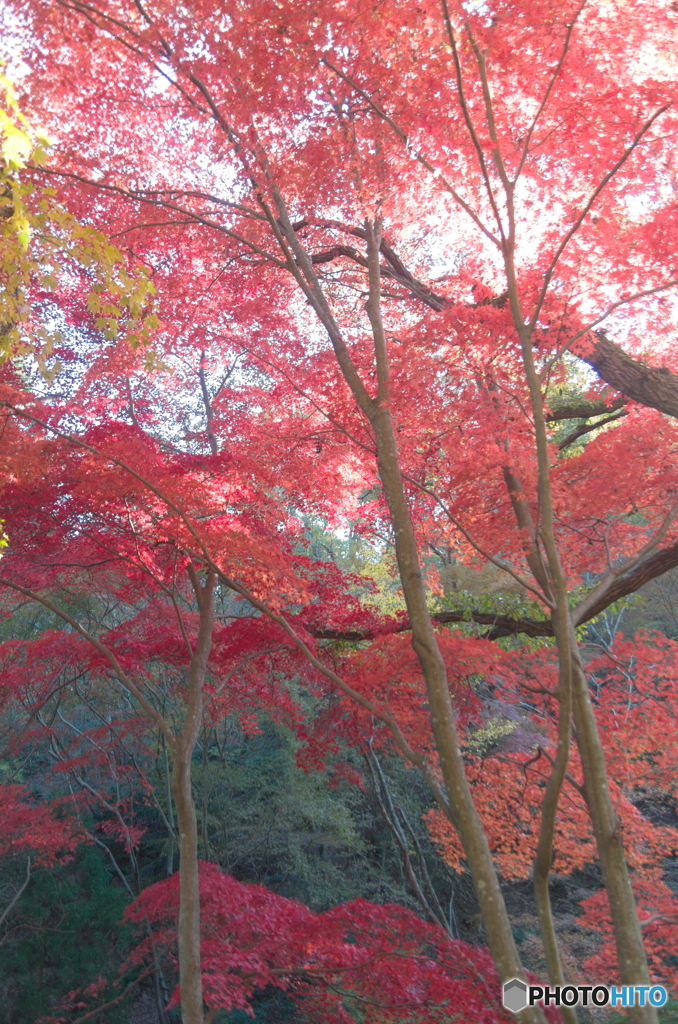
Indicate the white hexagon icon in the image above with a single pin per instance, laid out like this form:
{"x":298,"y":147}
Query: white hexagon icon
{"x":515,"y":995}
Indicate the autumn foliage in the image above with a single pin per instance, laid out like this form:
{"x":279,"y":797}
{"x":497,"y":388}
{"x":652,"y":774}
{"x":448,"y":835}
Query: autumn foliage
{"x":383,"y":960}
{"x":300,"y":274}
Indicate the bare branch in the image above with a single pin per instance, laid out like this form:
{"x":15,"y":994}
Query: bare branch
{"x":582,"y":611}
{"x":17,"y":894}
{"x":586,"y":428}
{"x":119,"y":672}
{"x":419,"y":157}
{"x":552,"y":81}
{"x":587,"y":207}
{"x":466,"y":114}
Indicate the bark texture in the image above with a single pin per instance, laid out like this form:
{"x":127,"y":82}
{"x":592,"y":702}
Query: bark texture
{"x":655,"y":386}
{"x":190,"y":980}
{"x":633,"y":966}
{"x":462,"y":810}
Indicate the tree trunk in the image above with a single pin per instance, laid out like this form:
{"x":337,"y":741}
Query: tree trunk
{"x":460,"y":808}
{"x":655,"y":386}
{"x":463,"y":813}
{"x":190,"y":980}
{"x":169,"y":870}
{"x":633,"y":967}
{"x":544,"y":852}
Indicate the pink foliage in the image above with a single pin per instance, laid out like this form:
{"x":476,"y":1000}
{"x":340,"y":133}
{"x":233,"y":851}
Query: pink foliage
{"x":383,"y":959}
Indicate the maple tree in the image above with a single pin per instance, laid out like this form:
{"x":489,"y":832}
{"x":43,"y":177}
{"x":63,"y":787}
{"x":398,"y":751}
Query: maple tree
{"x":385,"y":236}
{"x":45,"y":834}
{"x":45,"y":249}
{"x":355,"y":955}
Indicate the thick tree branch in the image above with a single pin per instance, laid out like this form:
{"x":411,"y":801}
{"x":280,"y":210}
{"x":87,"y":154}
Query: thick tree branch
{"x":655,"y":386}
{"x":506,"y":625}
{"x":584,"y":410}
{"x":499,"y":626}
{"x":586,"y":428}
{"x":656,"y":565}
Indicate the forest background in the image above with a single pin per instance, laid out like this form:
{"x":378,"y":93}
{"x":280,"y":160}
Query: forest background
{"x":339,"y":508}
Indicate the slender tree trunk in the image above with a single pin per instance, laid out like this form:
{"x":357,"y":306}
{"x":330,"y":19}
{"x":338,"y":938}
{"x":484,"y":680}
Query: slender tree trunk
{"x":390,"y":815}
{"x":204,"y":808}
{"x":463,"y":813}
{"x":169,"y":870}
{"x":160,"y":998}
{"x":461,"y":809}
{"x":633,"y":966}
{"x":544,"y":853}
{"x":190,"y":980}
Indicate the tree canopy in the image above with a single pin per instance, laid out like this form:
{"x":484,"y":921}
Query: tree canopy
{"x":340,"y":385}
